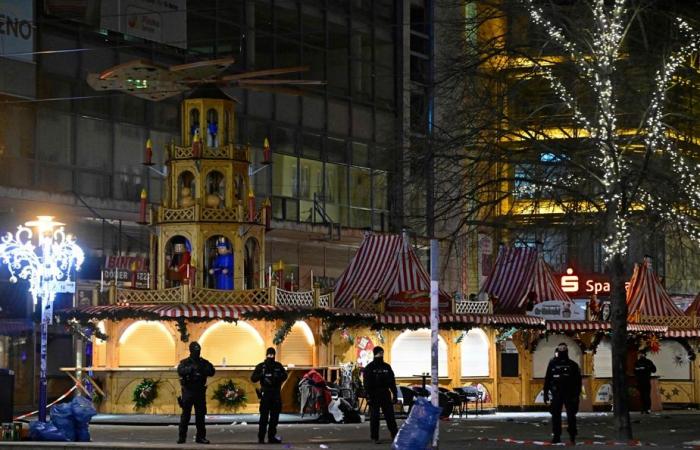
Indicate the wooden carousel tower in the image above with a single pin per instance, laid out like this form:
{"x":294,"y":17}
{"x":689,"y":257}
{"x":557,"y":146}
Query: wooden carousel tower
{"x":209,"y":233}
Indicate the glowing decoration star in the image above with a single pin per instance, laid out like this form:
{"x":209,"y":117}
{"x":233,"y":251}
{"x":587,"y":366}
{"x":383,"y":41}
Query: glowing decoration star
{"x":47,"y":266}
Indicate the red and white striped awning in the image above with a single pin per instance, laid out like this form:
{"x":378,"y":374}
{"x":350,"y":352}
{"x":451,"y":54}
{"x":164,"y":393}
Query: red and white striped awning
{"x":384,"y":265}
{"x":574,"y":325}
{"x":517,"y":272}
{"x":464,"y":319}
{"x":190,"y":311}
{"x":646,"y":296}
{"x":683,"y":333}
{"x":198,"y":311}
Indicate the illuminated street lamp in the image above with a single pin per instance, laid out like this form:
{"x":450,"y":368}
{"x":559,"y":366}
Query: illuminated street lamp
{"x":47,"y":266}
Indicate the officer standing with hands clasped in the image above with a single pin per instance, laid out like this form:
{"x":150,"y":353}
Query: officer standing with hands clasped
{"x":193,"y":373}
{"x":380,"y":386}
{"x":271,"y":375}
{"x":563,"y":381}
{"x":643,"y":369}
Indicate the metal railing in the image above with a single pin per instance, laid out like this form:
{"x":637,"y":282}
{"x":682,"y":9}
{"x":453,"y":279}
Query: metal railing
{"x":195,"y":295}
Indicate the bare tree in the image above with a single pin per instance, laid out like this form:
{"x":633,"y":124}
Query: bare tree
{"x":576,"y":108}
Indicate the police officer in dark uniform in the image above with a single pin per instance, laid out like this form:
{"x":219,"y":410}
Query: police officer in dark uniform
{"x":643,"y":369}
{"x":380,"y":386}
{"x":193,"y":373}
{"x":563,"y":382}
{"x":271,"y":374}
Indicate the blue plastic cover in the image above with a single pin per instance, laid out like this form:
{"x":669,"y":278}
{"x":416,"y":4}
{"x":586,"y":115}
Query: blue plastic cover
{"x":416,"y":433}
{"x":45,"y":431}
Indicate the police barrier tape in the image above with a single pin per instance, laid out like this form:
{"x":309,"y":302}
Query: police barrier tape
{"x":66,"y":394}
{"x":632,"y":443}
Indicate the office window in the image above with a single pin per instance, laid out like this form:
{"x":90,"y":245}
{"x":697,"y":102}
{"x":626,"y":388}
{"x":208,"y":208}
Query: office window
{"x":63,"y":63}
{"x":338,"y":55}
{"x":128,"y":154}
{"x":336,"y":192}
{"x":385,"y":127}
{"x":360,"y":154}
{"x":53,"y":138}
{"x":360,"y":187}
{"x":314,"y":112}
{"x":260,"y":104}
{"x":310,"y":178}
{"x":285,"y":141}
{"x":311,"y":145}
{"x":362,"y":121}
{"x":379,"y":189}
{"x":287,"y":53}
{"x":284,"y":178}
{"x":338,"y":119}
{"x":287,"y":108}
{"x":336,"y":150}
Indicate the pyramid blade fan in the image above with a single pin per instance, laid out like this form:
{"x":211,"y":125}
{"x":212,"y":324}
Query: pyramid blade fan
{"x":266,"y":72}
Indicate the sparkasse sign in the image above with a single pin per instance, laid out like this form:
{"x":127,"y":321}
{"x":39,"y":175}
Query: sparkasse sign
{"x":584,"y":285}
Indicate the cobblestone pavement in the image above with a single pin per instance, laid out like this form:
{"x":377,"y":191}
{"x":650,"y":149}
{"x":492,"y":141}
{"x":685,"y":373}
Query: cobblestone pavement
{"x":666,"y":430}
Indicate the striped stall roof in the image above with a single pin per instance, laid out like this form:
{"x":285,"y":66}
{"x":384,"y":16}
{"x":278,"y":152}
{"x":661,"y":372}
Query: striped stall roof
{"x":384,"y":265}
{"x":517,"y":272}
{"x":647,"y":328}
{"x":646,"y":296}
{"x":182,"y":310}
{"x":200,"y":311}
{"x":585,"y":325}
{"x":575,"y":325}
{"x":694,"y":307}
{"x":682,"y":333}
{"x":465,"y":319}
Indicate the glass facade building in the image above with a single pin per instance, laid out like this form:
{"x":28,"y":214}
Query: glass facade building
{"x":334,"y":148}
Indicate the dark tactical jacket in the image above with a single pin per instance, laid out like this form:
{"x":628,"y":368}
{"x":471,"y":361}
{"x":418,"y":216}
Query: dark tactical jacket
{"x":270,"y":374}
{"x":193,"y":373}
{"x":643,"y":369}
{"x":379,"y":380}
{"x":563,"y":378}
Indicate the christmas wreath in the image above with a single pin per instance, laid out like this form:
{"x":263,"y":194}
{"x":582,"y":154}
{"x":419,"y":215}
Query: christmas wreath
{"x":229,"y":395}
{"x":145,"y":392}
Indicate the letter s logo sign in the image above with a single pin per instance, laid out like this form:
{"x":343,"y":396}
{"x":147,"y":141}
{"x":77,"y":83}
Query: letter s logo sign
{"x":569,"y":282}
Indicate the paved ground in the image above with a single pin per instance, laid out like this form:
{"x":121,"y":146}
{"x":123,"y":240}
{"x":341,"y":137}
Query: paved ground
{"x":667,"y":430}
{"x":172,"y":419}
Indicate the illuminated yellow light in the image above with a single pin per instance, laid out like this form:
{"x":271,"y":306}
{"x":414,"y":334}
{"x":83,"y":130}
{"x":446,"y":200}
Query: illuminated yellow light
{"x":244,"y":325}
{"x":131,"y":329}
{"x":44,"y":224}
{"x":306,"y":330}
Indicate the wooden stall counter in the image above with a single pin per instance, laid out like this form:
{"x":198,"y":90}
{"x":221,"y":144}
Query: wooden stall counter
{"x":118,"y":386}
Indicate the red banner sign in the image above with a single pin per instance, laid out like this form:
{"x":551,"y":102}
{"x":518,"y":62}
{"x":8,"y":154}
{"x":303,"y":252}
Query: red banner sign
{"x":584,"y":285}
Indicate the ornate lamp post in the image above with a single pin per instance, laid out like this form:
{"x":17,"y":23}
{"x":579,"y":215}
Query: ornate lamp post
{"x":47,"y":265}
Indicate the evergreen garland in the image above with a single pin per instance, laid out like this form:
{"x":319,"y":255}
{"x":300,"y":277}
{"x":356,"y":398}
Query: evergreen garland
{"x":229,"y":395}
{"x":145,"y":393}
{"x":282,"y":332}
{"x":182,"y":328}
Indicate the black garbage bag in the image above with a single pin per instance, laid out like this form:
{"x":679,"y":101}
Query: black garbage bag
{"x":350,"y":414}
{"x":83,"y":410}
{"x":45,"y":431}
{"x":62,"y":418}
{"x":416,"y":433}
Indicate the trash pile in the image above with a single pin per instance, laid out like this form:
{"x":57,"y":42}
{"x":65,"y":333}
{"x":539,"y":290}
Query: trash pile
{"x":69,"y":422}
